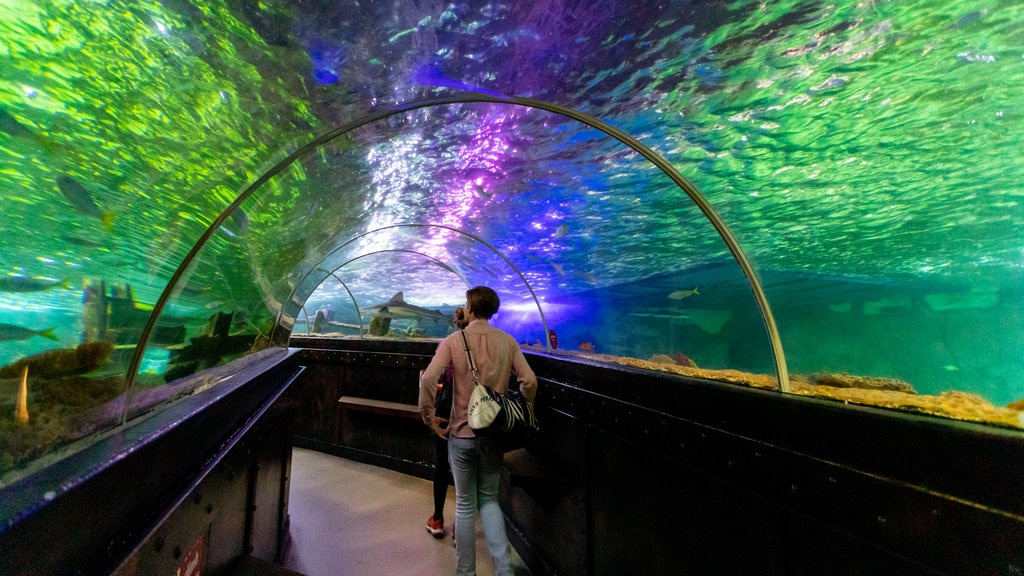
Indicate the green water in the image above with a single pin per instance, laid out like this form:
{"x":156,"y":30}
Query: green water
{"x":866,"y":156}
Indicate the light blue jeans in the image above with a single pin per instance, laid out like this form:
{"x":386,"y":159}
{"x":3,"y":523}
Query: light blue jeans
{"x":476,"y":467}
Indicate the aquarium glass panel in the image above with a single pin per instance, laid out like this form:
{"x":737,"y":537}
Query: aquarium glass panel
{"x":563,"y":220}
{"x":865,"y":156}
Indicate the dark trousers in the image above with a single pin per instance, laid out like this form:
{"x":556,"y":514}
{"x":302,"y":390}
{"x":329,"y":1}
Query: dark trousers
{"x":442,"y":476}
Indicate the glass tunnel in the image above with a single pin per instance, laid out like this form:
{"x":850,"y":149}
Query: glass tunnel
{"x":822,"y":200}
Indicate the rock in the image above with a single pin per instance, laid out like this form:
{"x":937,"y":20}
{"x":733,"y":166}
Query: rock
{"x":866,"y":382}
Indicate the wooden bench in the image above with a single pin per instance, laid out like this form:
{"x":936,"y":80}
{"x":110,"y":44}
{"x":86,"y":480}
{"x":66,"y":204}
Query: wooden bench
{"x":410,"y":411}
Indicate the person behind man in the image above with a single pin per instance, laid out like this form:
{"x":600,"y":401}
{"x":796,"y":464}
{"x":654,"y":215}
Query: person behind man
{"x":476,"y":462}
{"x":438,"y":424}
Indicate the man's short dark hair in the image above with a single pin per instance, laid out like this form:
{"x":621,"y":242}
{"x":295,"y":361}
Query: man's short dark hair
{"x":483,"y":301}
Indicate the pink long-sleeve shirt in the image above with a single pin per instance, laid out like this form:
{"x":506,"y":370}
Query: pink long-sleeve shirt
{"x":495,"y":353}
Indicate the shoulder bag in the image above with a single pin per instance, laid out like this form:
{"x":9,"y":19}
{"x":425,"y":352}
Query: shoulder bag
{"x":443,"y":397}
{"x":507,"y":418}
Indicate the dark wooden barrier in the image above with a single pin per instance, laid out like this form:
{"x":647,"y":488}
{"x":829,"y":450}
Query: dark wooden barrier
{"x":200,"y":485}
{"x":359,"y":401}
{"x":640,"y":471}
{"x":633,"y":471}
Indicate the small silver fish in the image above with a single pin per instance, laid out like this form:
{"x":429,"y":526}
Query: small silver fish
{"x":680,"y":294}
{"x":83,"y":242}
{"x":10,"y":332}
{"x":562,"y":231}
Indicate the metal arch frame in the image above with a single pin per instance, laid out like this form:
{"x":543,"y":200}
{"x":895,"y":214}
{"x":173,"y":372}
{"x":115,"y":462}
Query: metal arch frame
{"x":355,"y":304}
{"x":351,"y":297}
{"x":306,"y":316}
{"x":291,"y":296}
{"x":723,"y":230}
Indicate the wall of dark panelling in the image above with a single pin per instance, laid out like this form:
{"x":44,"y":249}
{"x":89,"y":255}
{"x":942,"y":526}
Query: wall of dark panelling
{"x":644,"y":471}
{"x":373,"y":370}
{"x":634,"y":471}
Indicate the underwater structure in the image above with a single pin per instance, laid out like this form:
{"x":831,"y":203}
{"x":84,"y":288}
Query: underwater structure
{"x":779,"y":243}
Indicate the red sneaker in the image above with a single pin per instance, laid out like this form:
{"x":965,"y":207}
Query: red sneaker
{"x":435,"y":527}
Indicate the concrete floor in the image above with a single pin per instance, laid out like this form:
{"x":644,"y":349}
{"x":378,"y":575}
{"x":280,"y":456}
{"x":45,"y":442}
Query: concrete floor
{"x":354,"y":519}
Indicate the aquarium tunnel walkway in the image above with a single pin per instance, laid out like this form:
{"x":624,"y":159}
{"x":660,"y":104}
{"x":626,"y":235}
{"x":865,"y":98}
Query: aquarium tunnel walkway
{"x":632,"y":469}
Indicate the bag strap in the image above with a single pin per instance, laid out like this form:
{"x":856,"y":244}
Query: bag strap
{"x":469,"y":355}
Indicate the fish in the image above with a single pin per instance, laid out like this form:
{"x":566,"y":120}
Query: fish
{"x":10,"y":125}
{"x":9,"y":332}
{"x":83,"y":242}
{"x":240,"y":223}
{"x":480,"y":191}
{"x":680,"y":294}
{"x":61,"y":362}
{"x":968,"y":19}
{"x":17,"y":283}
{"x":562,"y":231}
{"x":82,"y":200}
{"x":432,"y":75}
{"x":397,"y":308}
{"x":327,"y":60}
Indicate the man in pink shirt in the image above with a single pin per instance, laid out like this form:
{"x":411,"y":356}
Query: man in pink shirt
{"x":476,"y":462}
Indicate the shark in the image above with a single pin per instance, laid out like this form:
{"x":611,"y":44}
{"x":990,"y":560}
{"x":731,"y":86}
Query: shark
{"x":397,"y":308}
